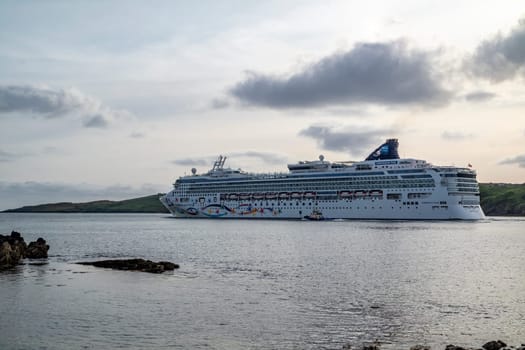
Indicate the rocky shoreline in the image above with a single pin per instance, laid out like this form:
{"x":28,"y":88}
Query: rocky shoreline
{"x":491,"y":345}
{"x":134,"y":265}
{"x":13,"y":248}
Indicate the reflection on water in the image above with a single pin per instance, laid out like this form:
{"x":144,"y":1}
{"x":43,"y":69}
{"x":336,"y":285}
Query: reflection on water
{"x":265,"y":285}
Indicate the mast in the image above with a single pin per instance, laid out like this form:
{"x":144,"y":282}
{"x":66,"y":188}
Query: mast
{"x":219,"y":163}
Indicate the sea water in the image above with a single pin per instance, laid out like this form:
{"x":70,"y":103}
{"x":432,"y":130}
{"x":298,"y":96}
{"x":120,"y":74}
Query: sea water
{"x":257,"y":284}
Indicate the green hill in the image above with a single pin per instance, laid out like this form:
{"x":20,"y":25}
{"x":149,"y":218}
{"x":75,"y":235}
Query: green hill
{"x":148,"y":204}
{"x":496,"y":199}
{"x":503,"y":199}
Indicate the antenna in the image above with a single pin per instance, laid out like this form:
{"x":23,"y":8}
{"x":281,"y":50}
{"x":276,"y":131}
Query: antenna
{"x":219,"y":163}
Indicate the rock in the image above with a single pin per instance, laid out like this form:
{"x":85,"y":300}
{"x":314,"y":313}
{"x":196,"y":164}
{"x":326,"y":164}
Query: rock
{"x":494,"y":345}
{"x":7,"y":256}
{"x":374,"y":346}
{"x":169,"y":266}
{"x":134,"y":265}
{"x":12,"y":249}
{"x":371,"y":347}
{"x":38,"y":249}
{"x":16,"y":235}
{"x":420,"y":347}
{"x":455,"y":347}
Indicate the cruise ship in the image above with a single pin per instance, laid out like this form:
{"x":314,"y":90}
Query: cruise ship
{"x":383,"y":186}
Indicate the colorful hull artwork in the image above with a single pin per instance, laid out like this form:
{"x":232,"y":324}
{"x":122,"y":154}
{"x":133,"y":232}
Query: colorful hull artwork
{"x":218,"y":210}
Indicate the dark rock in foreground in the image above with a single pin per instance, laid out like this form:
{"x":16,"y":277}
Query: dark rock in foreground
{"x":38,"y":249}
{"x":494,"y":345}
{"x":134,"y":265}
{"x":491,"y":345}
{"x":13,"y":248}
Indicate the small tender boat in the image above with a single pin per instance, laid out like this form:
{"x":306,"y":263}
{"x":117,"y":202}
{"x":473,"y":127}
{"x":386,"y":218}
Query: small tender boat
{"x":315,"y":215}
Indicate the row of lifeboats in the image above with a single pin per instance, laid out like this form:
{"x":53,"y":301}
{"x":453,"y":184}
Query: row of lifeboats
{"x":298,"y":195}
{"x":359,"y":194}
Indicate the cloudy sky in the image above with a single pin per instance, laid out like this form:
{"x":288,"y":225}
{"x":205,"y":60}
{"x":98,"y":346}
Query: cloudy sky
{"x":116,"y":99}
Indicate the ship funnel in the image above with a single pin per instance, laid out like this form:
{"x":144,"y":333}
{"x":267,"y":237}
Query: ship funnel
{"x":387,"y":150}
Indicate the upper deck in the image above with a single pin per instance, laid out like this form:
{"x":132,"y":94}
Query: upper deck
{"x":384,"y":161}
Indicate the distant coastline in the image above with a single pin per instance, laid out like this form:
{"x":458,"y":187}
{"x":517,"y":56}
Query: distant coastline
{"x":497,"y":199}
{"x":147,"y":204}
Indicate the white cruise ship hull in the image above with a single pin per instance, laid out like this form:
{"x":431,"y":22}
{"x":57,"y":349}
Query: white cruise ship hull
{"x":361,"y":209}
{"x":381,"y":187}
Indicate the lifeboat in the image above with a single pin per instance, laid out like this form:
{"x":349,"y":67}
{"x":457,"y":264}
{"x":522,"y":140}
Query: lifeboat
{"x":271,"y":195}
{"x":245,"y":196}
{"x":376,"y":193}
{"x":233,"y":196}
{"x":284,"y":195}
{"x":296,"y":195}
{"x":309,"y":195}
{"x":258,"y":196}
{"x":360,"y":194}
{"x":345,"y":194}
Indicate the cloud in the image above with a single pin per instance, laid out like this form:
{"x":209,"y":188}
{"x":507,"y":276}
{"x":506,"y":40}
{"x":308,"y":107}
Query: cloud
{"x":219,"y":103}
{"x":479,"y":96}
{"x":16,"y":194}
{"x":456,"y":136}
{"x":266,"y":157}
{"x":355,"y":142}
{"x":95,"y":121}
{"x":371,"y":73}
{"x":54,"y":103}
{"x":270,"y":158}
{"x":192,"y":162}
{"x":520,"y":160}
{"x":137,"y":135}
{"x":501,"y":57}
{"x":6,"y":156}
{"x":40,"y":100}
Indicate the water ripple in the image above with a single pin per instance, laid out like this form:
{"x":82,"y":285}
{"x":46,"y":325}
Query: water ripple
{"x":264,"y":285}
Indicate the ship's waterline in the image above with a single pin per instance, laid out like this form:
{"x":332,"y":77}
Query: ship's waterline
{"x":381,"y":187}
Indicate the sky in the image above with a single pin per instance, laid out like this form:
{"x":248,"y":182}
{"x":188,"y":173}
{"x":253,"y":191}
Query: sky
{"x":117,"y":99}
